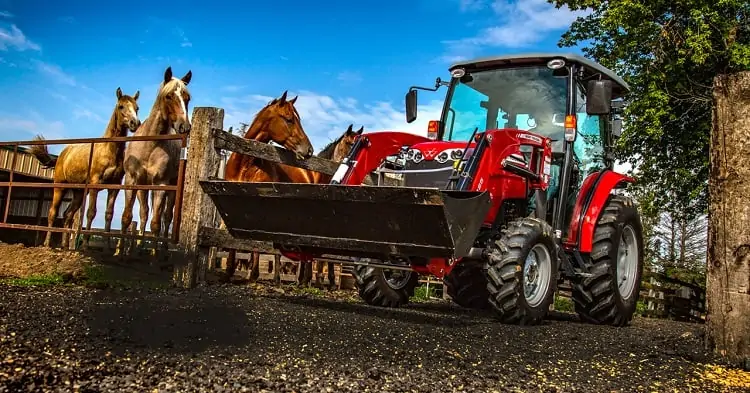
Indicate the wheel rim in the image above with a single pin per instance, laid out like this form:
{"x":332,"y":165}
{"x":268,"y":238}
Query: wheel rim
{"x":536,"y":275}
{"x":397,"y":279}
{"x":627,"y":262}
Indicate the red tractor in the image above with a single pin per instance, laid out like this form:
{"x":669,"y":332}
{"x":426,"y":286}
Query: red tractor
{"x":511,"y":192}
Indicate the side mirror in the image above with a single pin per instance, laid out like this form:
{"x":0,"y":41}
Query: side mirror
{"x":616,"y":127}
{"x":411,"y":106}
{"x":598,"y":97}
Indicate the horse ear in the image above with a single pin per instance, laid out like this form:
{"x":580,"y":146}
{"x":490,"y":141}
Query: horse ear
{"x":187,"y":77}
{"x":283,"y":98}
{"x":349,"y":130}
{"x":136,"y":95}
{"x":293,"y":100}
{"x":360,"y":130}
{"x":119,"y":93}
{"x":168,"y":74}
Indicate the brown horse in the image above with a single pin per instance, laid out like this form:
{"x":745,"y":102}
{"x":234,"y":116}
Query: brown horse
{"x":279,"y":122}
{"x":157,"y":162}
{"x":72,"y":166}
{"x":337,"y":150}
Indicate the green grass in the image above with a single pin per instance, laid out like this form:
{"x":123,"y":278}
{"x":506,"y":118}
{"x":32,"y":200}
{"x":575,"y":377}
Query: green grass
{"x":102,"y":276}
{"x":36,"y":280}
{"x":421,"y":294}
{"x":563,"y":304}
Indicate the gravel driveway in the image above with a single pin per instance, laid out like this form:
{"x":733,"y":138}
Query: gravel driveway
{"x":228,"y":338}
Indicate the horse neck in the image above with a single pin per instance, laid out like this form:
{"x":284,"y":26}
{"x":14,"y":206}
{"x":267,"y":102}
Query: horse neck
{"x":113,"y":129}
{"x":155,"y":124}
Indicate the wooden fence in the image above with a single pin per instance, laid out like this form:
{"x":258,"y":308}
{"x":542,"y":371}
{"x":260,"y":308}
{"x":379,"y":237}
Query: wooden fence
{"x":200,"y":236}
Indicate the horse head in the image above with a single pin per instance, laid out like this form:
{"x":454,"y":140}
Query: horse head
{"x":345,"y":143}
{"x":173,"y":101}
{"x":281,"y":123}
{"x":126,"y":111}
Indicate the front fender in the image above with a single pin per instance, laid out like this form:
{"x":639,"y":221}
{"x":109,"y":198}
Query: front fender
{"x":591,"y":200}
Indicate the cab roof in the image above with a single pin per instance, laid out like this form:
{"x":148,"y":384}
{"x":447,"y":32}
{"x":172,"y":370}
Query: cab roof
{"x":528,"y":59}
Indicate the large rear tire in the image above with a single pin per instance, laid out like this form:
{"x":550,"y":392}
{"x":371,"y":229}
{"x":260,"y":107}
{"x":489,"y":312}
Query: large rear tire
{"x":385,"y":288}
{"x":610,"y":295}
{"x":522,"y":272}
{"x":467,"y":284}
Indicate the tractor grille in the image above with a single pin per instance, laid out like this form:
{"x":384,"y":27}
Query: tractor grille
{"x":437,"y":179}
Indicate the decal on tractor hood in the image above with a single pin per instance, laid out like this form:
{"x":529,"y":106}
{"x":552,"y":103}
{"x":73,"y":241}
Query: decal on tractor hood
{"x":530,"y":137}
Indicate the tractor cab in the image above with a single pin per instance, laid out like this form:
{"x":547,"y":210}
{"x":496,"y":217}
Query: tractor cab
{"x":567,"y":99}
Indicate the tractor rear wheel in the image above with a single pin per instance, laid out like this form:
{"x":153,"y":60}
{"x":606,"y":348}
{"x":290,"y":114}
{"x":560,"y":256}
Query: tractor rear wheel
{"x":383,"y":287}
{"x":522,"y":270}
{"x":467,"y":284}
{"x":609,"y":296}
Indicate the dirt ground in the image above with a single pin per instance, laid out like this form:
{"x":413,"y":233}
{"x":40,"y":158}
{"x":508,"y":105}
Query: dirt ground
{"x":261,"y":338}
{"x":18,"y":261}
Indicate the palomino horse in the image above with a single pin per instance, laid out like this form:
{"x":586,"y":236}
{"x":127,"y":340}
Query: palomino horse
{"x":337,"y":150}
{"x":157,"y":162}
{"x":279,"y":122}
{"x":72,"y":166}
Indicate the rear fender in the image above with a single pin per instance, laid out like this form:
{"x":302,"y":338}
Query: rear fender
{"x":592,"y":198}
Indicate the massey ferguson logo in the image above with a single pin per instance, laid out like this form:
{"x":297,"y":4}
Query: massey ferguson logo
{"x":430,"y":154}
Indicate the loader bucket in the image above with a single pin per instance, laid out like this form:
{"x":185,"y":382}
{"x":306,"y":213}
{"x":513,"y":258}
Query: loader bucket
{"x":352,"y":220}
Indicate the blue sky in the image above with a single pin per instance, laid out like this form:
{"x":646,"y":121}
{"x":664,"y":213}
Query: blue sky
{"x":350,"y":62}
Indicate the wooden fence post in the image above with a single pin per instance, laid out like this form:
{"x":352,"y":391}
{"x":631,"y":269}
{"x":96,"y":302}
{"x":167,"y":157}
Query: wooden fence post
{"x":197,"y":208}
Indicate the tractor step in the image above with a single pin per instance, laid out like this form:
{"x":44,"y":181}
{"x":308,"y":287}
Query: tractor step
{"x":347,"y":220}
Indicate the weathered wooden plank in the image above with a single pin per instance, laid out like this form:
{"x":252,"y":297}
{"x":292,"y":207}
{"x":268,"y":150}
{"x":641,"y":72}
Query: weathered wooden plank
{"x":214,"y":237}
{"x":198,"y":210}
{"x":227,"y":141}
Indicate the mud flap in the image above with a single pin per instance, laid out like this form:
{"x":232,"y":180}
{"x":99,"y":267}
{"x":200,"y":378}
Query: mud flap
{"x":352,"y":220}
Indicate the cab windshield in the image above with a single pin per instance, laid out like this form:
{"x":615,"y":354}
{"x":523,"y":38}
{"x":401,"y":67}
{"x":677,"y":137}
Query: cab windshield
{"x":527,"y":98}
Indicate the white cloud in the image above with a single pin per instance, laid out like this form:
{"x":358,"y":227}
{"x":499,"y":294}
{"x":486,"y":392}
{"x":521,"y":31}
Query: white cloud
{"x":324,"y":118}
{"x":232,"y":88}
{"x":81,"y":112}
{"x":522,"y":24}
{"x":349,"y":77}
{"x":14,"y":127}
{"x":13,"y":37}
{"x":181,"y":34}
{"x":55,"y":72}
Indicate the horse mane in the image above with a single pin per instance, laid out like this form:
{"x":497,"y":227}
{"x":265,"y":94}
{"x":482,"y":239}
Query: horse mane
{"x":327,"y":152}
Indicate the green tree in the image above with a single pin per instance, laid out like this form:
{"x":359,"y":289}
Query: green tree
{"x":669,"y":52}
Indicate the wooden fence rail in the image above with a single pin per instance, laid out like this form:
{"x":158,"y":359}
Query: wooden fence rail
{"x":200,"y":229}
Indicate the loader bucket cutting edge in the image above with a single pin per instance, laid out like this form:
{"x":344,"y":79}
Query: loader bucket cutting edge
{"x":352,"y":220}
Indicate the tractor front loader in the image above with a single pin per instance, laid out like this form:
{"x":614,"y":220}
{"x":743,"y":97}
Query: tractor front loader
{"x":511,"y":192}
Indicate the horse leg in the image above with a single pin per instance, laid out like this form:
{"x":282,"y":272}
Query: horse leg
{"x":319,"y":275}
{"x":255,"y":267}
{"x":143,"y":205}
{"x":331,"y":277}
{"x":231,"y":264}
{"x":127,"y":218}
{"x":158,"y":200}
{"x":72,"y":209}
{"x":57,"y":196}
{"x":108,"y":215}
{"x":166,"y":221}
{"x":277,"y":269}
{"x":90,"y":214}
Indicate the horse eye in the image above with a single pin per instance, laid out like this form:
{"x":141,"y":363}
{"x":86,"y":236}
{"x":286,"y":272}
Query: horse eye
{"x":121,"y":107}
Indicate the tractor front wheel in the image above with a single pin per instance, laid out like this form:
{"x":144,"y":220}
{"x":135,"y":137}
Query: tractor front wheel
{"x":522,"y":271}
{"x":467,"y":284}
{"x":385,"y":288}
{"x":609,"y":295}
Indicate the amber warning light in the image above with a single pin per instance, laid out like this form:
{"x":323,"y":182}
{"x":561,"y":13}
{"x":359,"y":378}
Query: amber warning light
{"x":432,"y":129}
{"x":570,"y":128}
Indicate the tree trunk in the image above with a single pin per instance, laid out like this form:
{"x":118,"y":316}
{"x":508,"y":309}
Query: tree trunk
{"x":728,"y":265}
